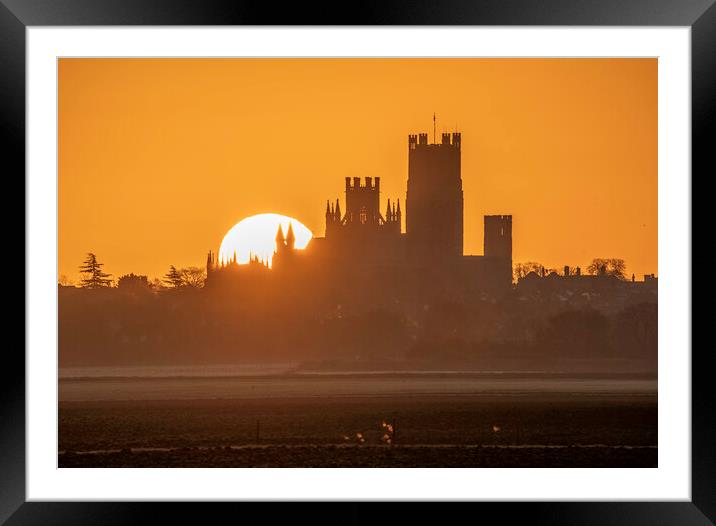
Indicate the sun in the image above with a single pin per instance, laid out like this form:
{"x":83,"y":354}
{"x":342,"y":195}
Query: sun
{"x":256,"y":236}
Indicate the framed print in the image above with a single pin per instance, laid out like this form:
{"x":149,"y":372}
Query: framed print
{"x":411,"y":255}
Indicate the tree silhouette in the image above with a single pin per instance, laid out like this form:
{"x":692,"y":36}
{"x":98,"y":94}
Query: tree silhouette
{"x":607,"y":267}
{"x":95,"y":278}
{"x":522,"y":269}
{"x":617,"y":268}
{"x":65,"y":281}
{"x":173,"y":278}
{"x":133,"y":282}
{"x":157,"y":285}
{"x":193,"y":277}
{"x":598,"y":267}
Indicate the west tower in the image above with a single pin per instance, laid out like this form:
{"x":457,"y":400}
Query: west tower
{"x":434,"y":204}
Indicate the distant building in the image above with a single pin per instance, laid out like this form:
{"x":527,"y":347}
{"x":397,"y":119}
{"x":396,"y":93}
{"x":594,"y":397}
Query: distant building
{"x":603,"y":291}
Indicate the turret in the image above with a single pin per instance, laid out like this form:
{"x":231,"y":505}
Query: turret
{"x":290,"y":237}
{"x":280,"y":239}
{"x":209,"y":263}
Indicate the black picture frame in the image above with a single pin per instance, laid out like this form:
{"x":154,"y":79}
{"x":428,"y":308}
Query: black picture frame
{"x":699,"y":15}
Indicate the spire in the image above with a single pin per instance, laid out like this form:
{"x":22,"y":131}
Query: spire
{"x":398,"y":208}
{"x":290,"y":237}
{"x":338,"y":209}
{"x":279,"y":237}
{"x":388,"y":215}
{"x":209,"y":262}
{"x":328,"y":209}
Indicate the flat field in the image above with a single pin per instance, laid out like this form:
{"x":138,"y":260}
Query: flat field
{"x":438,"y":420}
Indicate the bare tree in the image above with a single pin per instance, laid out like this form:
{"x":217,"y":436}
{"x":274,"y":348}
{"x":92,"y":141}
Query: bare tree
{"x":607,"y":267}
{"x":65,"y":281}
{"x":598,"y":267}
{"x":94,"y":277}
{"x":518,"y":272}
{"x":617,"y":268}
{"x":193,"y":277}
{"x":522,"y":269}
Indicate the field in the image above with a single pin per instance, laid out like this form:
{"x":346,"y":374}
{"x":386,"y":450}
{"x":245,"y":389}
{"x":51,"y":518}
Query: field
{"x":439,"y":420}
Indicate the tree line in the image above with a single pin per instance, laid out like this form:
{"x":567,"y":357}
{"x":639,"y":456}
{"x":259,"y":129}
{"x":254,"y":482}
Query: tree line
{"x":94,"y":277}
{"x":598,"y":267}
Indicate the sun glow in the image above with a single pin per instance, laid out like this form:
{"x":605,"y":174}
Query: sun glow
{"x":256,"y":236}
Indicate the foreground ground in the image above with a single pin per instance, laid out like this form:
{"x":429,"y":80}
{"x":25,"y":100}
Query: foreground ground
{"x":339,"y":422}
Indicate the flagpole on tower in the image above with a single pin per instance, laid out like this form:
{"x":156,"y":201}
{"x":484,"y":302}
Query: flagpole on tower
{"x":434,"y":133}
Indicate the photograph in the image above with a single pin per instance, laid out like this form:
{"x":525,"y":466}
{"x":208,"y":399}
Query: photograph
{"x":357,"y":262}
{"x":390,"y":252}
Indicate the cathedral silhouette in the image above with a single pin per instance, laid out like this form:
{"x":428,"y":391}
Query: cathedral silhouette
{"x":365,"y":259}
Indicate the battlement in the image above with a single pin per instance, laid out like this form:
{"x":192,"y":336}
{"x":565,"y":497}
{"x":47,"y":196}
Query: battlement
{"x":498,"y":219}
{"x":448,"y":139}
{"x":456,"y":139}
{"x":371,"y":184}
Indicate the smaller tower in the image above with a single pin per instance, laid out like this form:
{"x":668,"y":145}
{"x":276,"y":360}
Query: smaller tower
{"x":498,"y":236}
{"x":498,"y":250}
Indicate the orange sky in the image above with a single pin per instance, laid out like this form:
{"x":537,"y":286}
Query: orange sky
{"x":159,"y":158}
